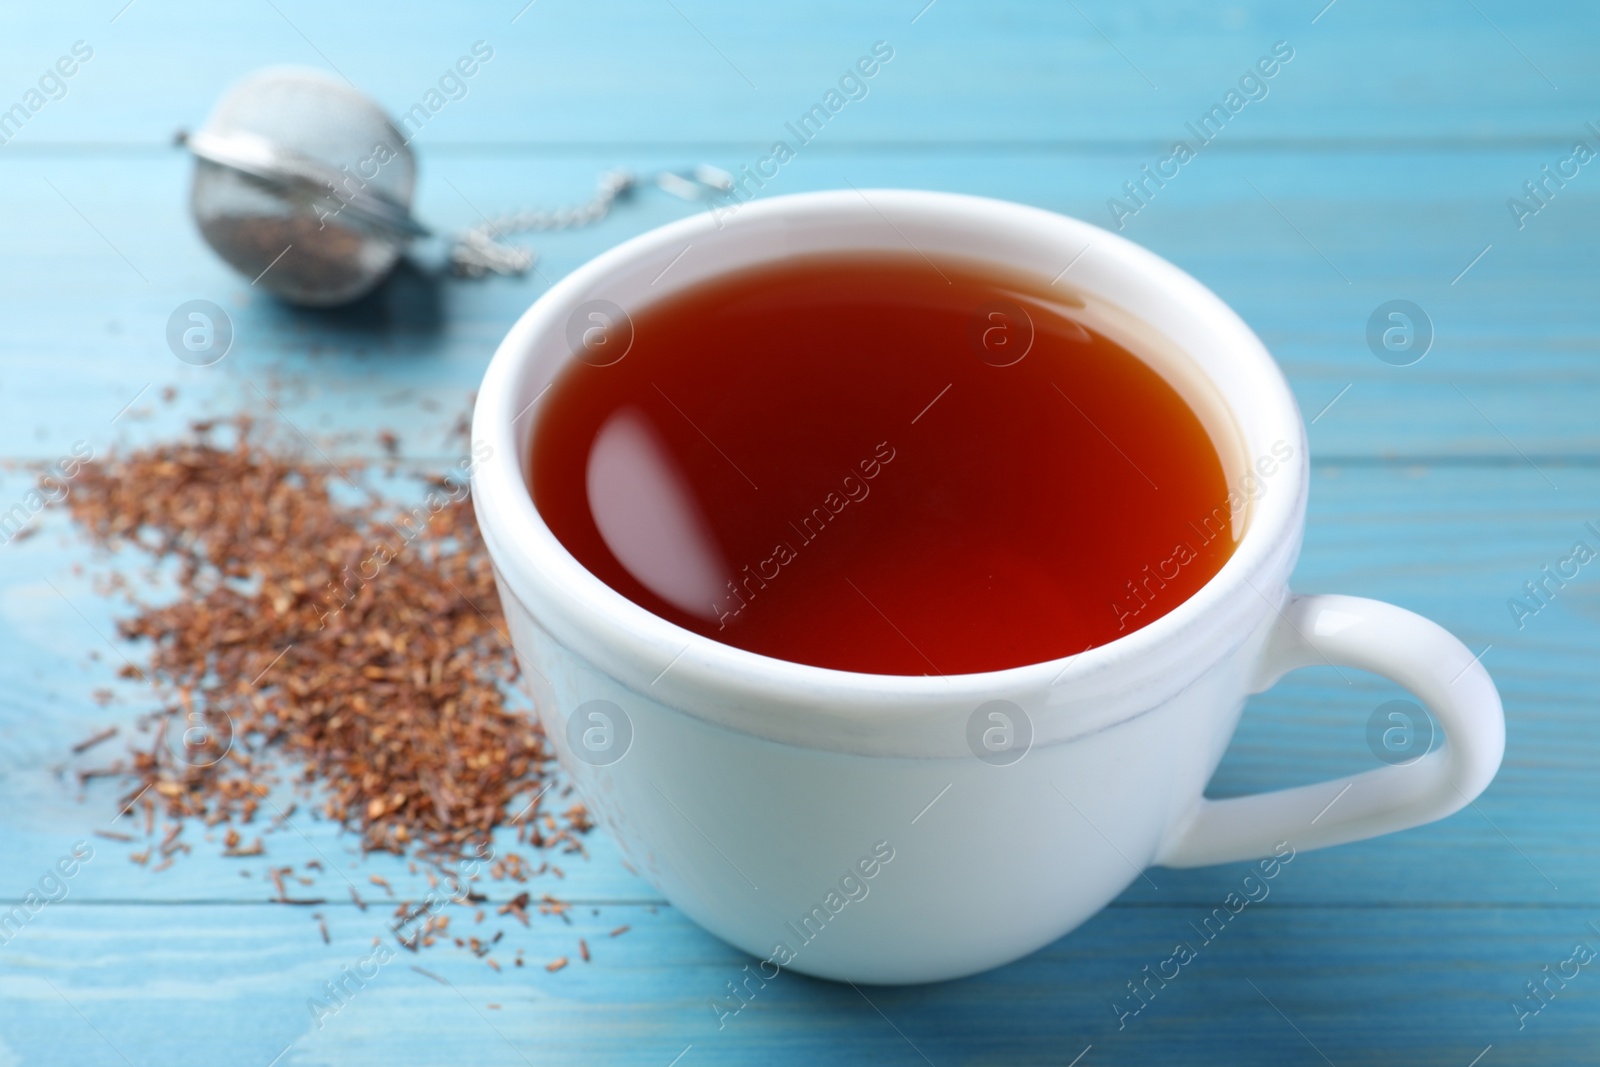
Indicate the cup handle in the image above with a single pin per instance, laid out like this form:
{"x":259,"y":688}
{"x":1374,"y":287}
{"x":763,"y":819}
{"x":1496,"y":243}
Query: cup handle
{"x":1374,"y":636}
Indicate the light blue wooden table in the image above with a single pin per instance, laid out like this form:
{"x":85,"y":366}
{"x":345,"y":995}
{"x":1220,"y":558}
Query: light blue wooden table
{"x":1378,"y":166}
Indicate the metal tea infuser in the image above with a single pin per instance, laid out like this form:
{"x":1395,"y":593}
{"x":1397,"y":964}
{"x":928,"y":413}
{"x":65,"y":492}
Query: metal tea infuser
{"x":304,"y":185}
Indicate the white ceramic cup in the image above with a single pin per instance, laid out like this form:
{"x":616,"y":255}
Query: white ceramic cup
{"x":843,"y":824}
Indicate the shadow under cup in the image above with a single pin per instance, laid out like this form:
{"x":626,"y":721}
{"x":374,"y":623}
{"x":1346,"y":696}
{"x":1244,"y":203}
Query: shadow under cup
{"x":754,"y":792}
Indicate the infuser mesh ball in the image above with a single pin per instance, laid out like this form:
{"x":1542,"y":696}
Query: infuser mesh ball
{"x":304,"y":186}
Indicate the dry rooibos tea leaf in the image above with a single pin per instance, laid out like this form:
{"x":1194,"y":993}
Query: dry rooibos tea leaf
{"x":321,"y":635}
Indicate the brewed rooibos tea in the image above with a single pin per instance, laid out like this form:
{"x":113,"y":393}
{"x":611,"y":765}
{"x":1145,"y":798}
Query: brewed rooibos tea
{"x":882,"y":464}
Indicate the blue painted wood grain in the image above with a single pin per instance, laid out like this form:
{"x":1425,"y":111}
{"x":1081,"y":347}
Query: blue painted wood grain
{"x":1515,"y":336}
{"x":1378,"y":167}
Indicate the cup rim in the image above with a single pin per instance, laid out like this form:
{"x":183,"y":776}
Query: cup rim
{"x":538,"y":569}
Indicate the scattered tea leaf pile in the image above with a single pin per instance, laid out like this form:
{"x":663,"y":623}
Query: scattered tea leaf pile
{"x":320,"y":637}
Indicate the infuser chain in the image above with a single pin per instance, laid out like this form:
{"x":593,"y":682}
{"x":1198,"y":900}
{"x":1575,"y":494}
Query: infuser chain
{"x":483,"y":248}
